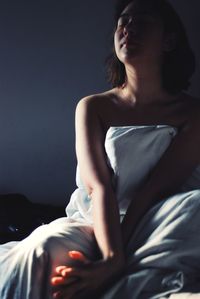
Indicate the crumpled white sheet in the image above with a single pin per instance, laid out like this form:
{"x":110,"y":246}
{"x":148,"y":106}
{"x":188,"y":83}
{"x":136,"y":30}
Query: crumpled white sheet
{"x":163,"y":256}
{"x":185,"y":296}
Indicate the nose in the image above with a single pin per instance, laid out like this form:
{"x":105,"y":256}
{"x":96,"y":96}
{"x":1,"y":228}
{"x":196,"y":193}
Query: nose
{"x":128,"y":28}
{"x":125,"y":31}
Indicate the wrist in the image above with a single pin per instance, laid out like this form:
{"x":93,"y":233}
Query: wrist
{"x":116,"y":261}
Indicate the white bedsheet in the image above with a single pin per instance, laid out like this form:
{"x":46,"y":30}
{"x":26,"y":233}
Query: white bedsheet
{"x":163,"y":254}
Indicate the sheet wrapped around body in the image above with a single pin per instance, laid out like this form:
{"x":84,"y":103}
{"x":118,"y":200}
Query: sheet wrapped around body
{"x":163,"y":254}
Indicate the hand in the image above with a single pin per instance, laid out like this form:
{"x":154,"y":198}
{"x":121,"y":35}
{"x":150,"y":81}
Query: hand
{"x":84,"y":279}
{"x":63,"y":279}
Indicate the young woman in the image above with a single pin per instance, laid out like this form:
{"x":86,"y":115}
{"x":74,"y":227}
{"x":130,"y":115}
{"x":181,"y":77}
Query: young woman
{"x":132,"y":229}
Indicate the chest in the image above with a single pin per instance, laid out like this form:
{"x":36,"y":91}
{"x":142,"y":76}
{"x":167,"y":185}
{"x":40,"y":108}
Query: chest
{"x":116,"y":114}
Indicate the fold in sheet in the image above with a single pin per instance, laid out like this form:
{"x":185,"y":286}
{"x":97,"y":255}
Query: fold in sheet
{"x":163,"y":256}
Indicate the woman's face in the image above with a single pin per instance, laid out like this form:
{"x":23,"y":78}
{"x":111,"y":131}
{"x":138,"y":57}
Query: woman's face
{"x":138,"y":34}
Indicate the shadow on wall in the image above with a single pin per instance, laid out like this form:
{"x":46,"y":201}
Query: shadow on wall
{"x":51,"y":56}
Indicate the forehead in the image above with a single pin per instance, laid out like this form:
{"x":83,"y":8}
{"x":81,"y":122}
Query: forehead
{"x":135,"y":8}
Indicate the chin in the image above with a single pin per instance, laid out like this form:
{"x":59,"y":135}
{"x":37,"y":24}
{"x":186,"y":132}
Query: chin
{"x":129,"y":56}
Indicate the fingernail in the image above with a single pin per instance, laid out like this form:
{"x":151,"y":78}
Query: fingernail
{"x":57,"y":295}
{"x":59,"y":269}
{"x":66,"y":271}
{"x":76,"y":255}
{"x":56,"y":280}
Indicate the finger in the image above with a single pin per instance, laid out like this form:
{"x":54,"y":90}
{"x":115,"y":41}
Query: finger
{"x":77,"y":255}
{"x":67,"y":272}
{"x":68,"y":275}
{"x":58,"y":281}
{"x":57,"y":295}
{"x":71,"y":292}
{"x":59,"y":269}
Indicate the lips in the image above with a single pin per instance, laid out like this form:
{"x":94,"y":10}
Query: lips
{"x":128,"y":43}
{"x":124,"y":43}
{"x":129,"y":40}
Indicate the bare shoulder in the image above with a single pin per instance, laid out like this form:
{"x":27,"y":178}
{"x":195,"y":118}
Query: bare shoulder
{"x":96,"y":108}
{"x":97,"y":100}
{"x":102,"y":105}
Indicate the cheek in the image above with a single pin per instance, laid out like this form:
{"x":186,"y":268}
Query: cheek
{"x":157,"y":40}
{"x":116,"y":44}
{"x":115,"y":40}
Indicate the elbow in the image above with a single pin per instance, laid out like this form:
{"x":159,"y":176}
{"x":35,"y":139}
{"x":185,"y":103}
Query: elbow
{"x":98,"y":188}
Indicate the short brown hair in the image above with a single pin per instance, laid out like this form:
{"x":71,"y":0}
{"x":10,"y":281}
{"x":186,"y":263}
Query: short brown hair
{"x":179,"y":63}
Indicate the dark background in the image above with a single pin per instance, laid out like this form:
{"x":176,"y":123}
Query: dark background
{"x":51,"y":55}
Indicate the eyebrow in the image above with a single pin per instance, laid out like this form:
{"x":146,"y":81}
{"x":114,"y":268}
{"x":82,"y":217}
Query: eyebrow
{"x":140,"y":15}
{"x":124,"y":15}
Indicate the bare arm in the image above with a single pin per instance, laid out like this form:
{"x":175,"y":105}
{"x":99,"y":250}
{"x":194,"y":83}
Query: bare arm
{"x":174,"y":167}
{"x":97,"y":180}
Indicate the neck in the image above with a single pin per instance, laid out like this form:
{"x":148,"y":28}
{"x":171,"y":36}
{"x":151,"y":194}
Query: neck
{"x":143,"y":85}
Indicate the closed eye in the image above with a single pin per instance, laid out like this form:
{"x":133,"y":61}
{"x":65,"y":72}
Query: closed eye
{"x":123,"y":20}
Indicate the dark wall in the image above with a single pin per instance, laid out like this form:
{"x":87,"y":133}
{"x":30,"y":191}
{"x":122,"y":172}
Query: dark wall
{"x":51,"y":55}
{"x":189,"y":12}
